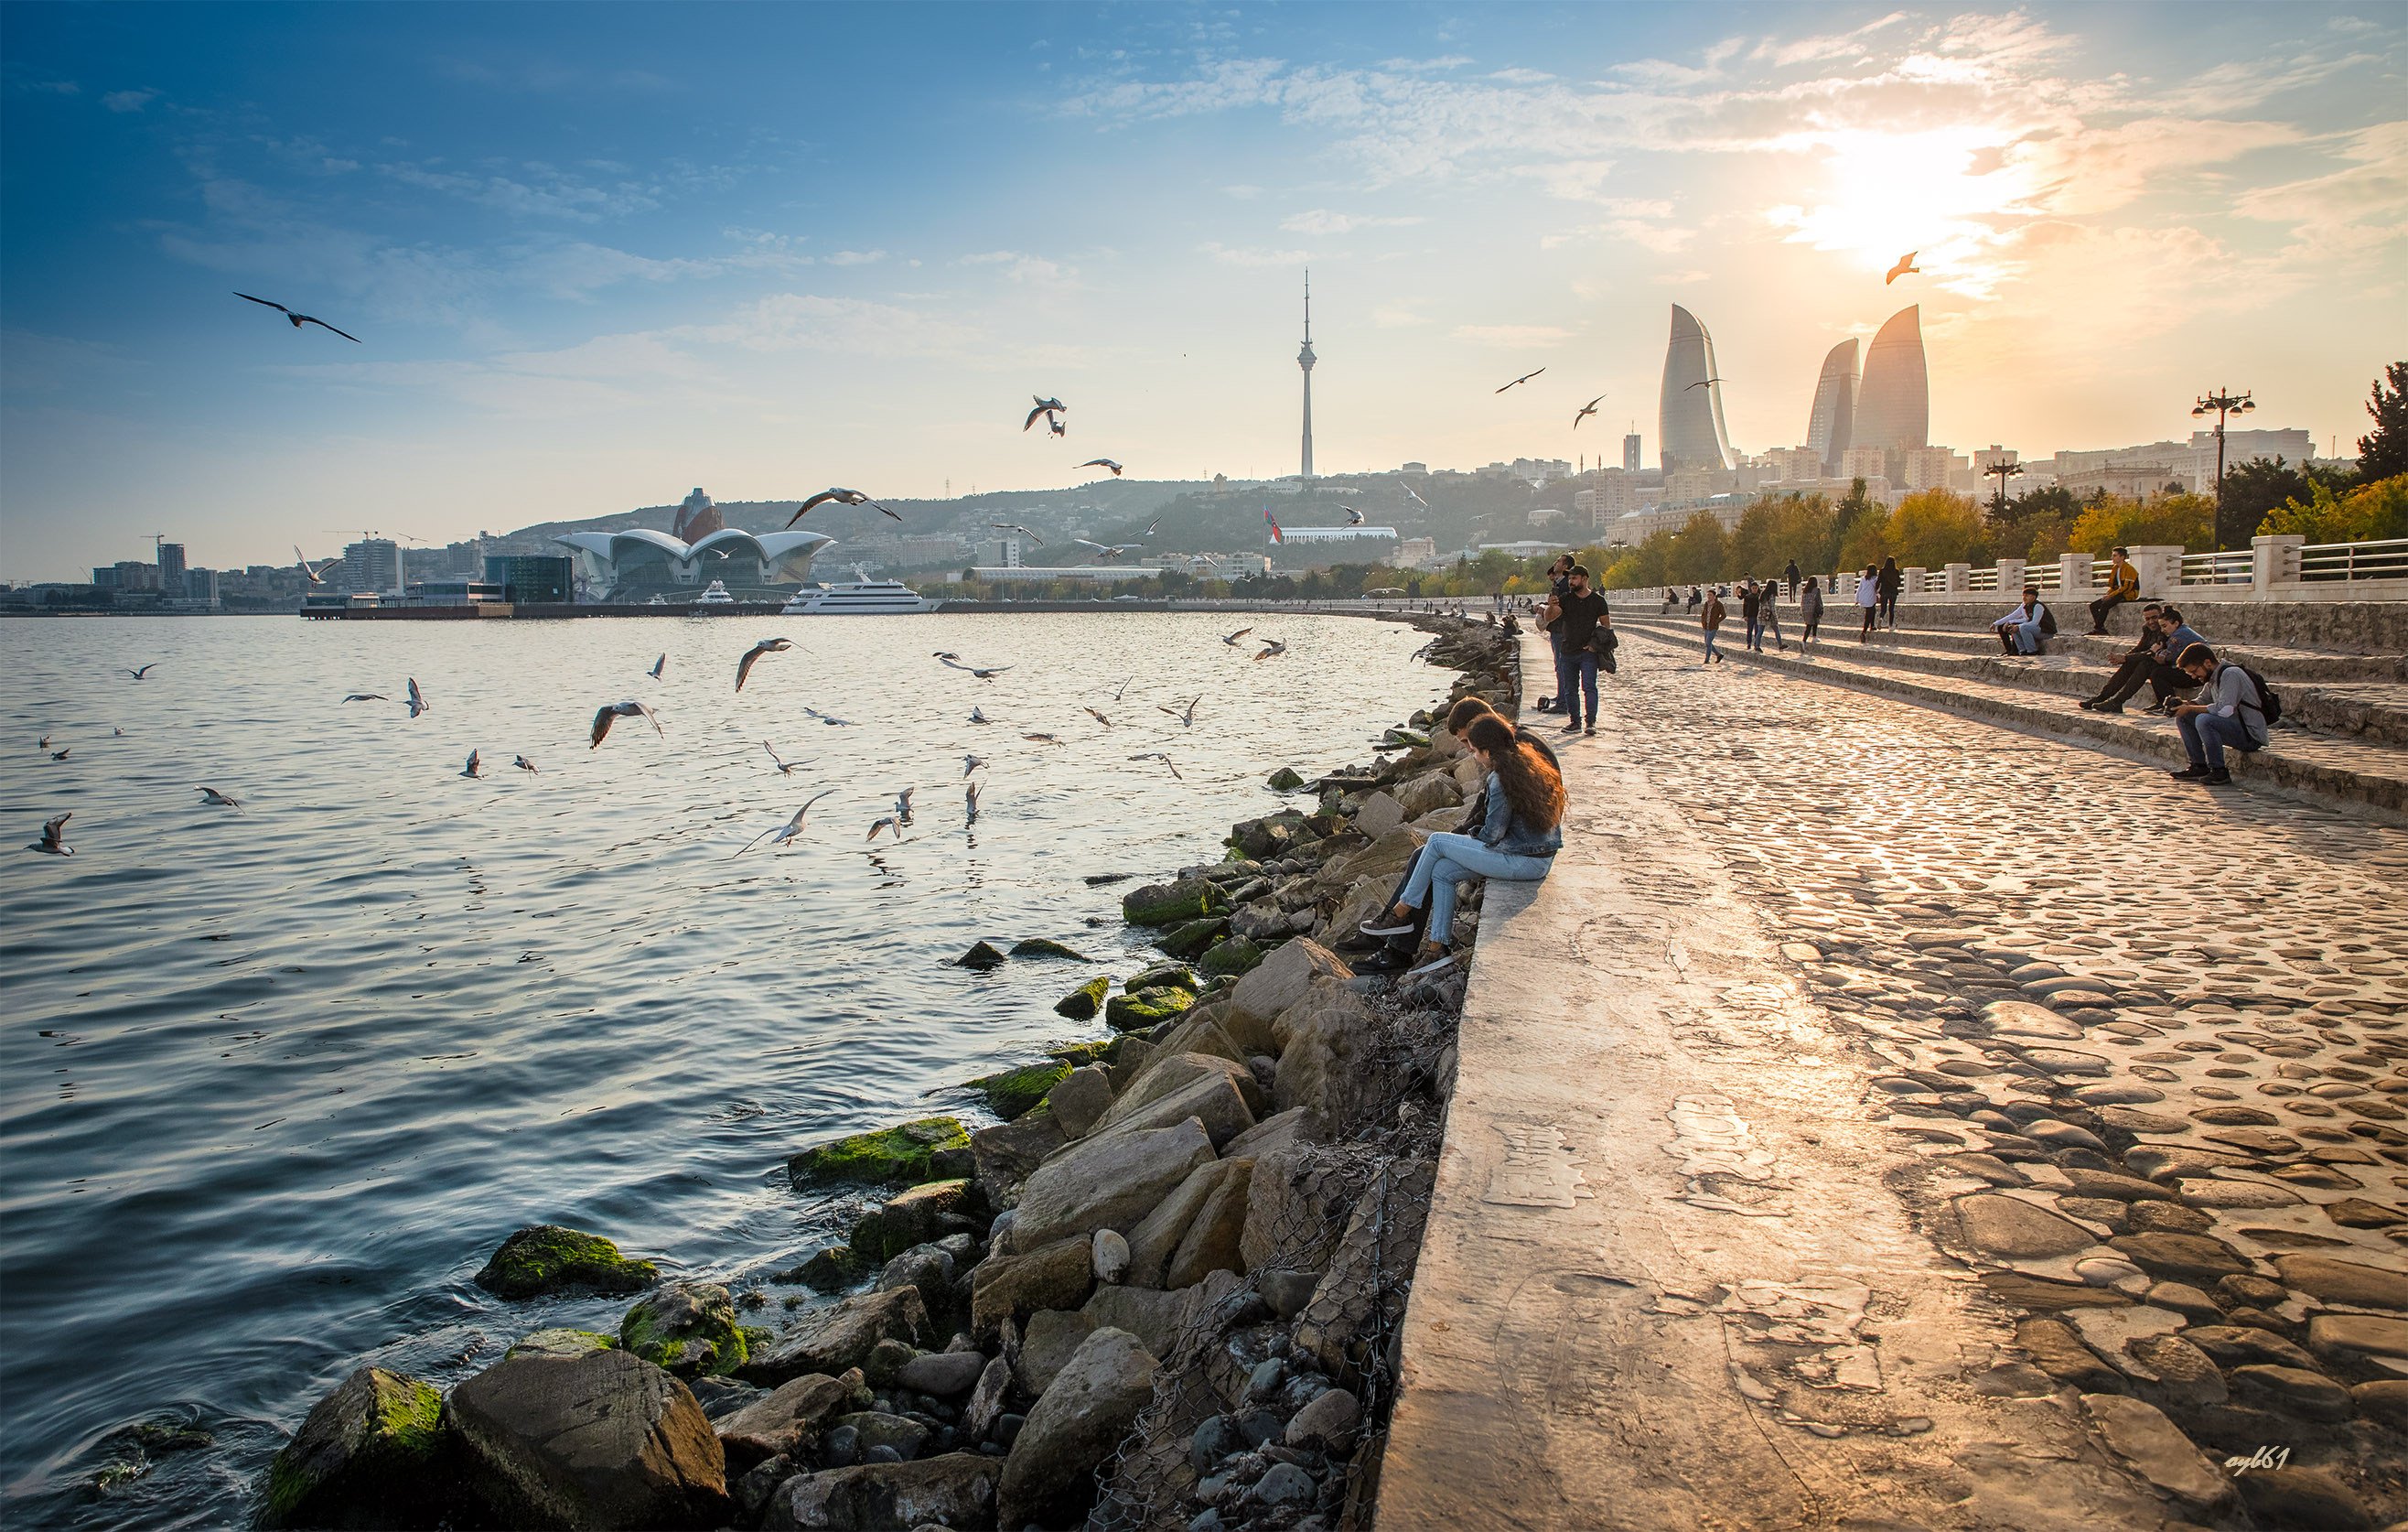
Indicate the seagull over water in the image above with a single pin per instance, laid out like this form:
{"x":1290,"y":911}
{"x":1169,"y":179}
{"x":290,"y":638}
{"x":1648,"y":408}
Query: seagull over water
{"x":144,"y":674}
{"x":1107,"y":550}
{"x":978,"y":717}
{"x":1271,"y":647}
{"x":211,"y":796}
{"x":886,"y":823}
{"x":661,"y":666}
{"x":1043,"y":739}
{"x":786,"y":768}
{"x":417,"y":698}
{"x":766,"y":647}
{"x":1163,"y":757}
{"x":1015,"y":526}
{"x":1522,"y":379}
{"x":1100,"y":462}
{"x":1703,"y":383}
{"x":1587,"y":409}
{"x":611,"y":712}
{"x":524,"y":764}
{"x":971,"y":763}
{"x":786,"y":831}
{"x":828,"y":718}
{"x":1416,"y":497}
{"x":476,"y":766}
{"x":1186,"y":715}
{"x":300,"y":320}
{"x":954,"y":662}
{"x":843,"y":497}
{"x":969,"y":804}
{"x":60,"y":755}
{"x":316,"y":577}
{"x":367,"y":696}
{"x":1044,"y":407}
{"x":1231,"y":639}
{"x":1905,"y":266}
{"x":1097,"y":717}
{"x":54,"y":841}
{"x":903,"y":804}
{"x":1353,"y":517}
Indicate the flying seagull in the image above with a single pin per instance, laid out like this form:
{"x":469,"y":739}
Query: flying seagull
{"x":766,"y":647}
{"x":1905,"y":266}
{"x":611,"y":712}
{"x":1231,"y":639}
{"x":1122,"y":690}
{"x":1417,"y":500}
{"x":828,"y":718}
{"x":1053,"y":423}
{"x":661,"y":666}
{"x":1522,"y":379}
{"x":145,"y":671}
{"x":1703,"y":383}
{"x":1271,"y":647}
{"x":886,"y":823}
{"x":978,"y":717}
{"x":1097,"y":717}
{"x":316,"y":577}
{"x":418,"y":703}
{"x":954,"y":662}
{"x":524,"y":764}
{"x":1044,"y":407}
{"x":476,"y":766}
{"x":211,"y":796}
{"x":1587,"y":410}
{"x":300,"y":320}
{"x":971,"y":763}
{"x":969,"y":804}
{"x":786,"y":831}
{"x":1353,"y":517}
{"x":54,"y":836}
{"x":1107,"y":550}
{"x":1103,"y":462}
{"x":784,"y":767}
{"x":1184,"y":714}
{"x":842,"y":497}
{"x":367,"y":696}
{"x":1015,"y":526}
{"x":1043,"y":739}
{"x":1150,"y":526}
{"x":903,"y":804}
{"x":1163,"y":757}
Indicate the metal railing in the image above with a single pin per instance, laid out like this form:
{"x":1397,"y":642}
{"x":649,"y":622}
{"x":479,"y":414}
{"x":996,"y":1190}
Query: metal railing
{"x":2387,"y":559}
{"x":2216,"y":568}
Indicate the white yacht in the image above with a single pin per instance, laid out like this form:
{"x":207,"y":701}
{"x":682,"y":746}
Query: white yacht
{"x":861,"y":594}
{"x":715,"y":594}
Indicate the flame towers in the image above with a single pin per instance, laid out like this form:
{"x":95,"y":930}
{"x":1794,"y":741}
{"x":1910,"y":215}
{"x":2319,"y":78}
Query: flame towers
{"x":1894,"y":406}
{"x":1831,"y":426}
{"x":1689,"y":413}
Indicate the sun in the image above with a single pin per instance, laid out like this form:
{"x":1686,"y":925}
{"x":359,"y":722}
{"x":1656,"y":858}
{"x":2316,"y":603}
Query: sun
{"x":1947,"y":192}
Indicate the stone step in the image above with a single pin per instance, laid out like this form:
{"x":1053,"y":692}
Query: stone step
{"x":2352,"y":773}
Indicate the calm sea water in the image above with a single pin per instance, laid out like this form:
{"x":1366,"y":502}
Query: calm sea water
{"x":273,"y":1082}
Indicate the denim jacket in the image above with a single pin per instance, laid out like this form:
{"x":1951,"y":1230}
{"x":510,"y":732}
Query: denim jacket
{"x":1499,"y":832}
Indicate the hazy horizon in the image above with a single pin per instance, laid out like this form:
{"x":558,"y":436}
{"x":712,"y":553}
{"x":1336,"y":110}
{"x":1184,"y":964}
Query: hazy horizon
{"x":597,"y":256}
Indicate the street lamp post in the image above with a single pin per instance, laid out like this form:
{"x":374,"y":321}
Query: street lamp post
{"x":2221,"y":403}
{"x":2003,"y":471}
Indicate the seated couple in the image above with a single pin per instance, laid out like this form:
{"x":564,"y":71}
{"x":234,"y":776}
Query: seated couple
{"x":1512,"y":830}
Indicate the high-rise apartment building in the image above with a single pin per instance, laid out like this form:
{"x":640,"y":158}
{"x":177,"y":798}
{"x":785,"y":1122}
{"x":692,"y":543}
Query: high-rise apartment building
{"x":1864,"y":462}
{"x":1930,"y":467}
{"x":373,"y":564}
{"x":171,"y":567}
{"x":1630,"y":453}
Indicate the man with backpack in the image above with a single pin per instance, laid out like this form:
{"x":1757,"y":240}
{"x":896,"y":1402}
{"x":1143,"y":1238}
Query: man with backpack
{"x":2235,"y":714}
{"x":2022,"y":630}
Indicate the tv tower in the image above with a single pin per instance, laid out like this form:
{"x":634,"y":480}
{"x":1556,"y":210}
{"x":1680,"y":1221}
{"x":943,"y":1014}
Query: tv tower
{"x":1304,"y":359}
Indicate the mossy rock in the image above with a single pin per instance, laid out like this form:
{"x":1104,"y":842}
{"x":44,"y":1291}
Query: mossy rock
{"x":567,"y":1344}
{"x":369,"y":1455}
{"x":1045,"y":946}
{"x":686,"y":1328}
{"x":981,"y":955}
{"x":550,"y":1259}
{"x":1013,"y":1091}
{"x":1076,"y":1054}
{"x":1190,"y":938}
{"x":1177,"y":976}
{"x":1235,"y":955}
{"x":1284,"y":780}
{"x":905,"y":1155}
{"x":831,"y":1270}
{"x":1169,"y":904}
{"x":1081,"y":1004}
{"x":918,"y":1216}
{"x":1146,"y":1008}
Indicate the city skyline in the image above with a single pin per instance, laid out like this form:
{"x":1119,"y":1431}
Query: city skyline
{"x":587,"y":267}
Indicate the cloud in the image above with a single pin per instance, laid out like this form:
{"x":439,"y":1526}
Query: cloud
{"x":1521,"y":77}
{"x":544,"y":193}
{"x":1682,"y":279}
{"x":1322,"y":221}
{"x":2357,"y":208}
{"x":858,"y":326}
{"x":856,"y":257}
{"x":1397,"y":316}
{"x":1512,"y":337}
{"x":1228,"y":255}
{"x":543,"y":76}
{"x":1425,"y":66}
{"x":1242,"y":192}
{"x":1031,"y":270}
{"x":128,"y":100}
{"x":53,"y":87}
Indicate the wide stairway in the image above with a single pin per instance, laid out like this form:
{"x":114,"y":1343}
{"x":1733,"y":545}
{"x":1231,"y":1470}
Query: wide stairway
{"x":2343,"y":739}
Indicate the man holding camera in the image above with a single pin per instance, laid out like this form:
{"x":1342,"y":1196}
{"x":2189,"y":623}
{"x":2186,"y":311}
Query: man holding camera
{"x":1558,"y":584}
{"x":1573,"y":618}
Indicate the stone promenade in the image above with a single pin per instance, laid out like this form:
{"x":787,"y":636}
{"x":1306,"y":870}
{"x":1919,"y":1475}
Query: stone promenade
{"x":1884,"y":1119}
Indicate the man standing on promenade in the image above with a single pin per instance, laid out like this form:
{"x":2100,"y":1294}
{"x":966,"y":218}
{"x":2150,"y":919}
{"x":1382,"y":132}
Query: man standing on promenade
{"x":2123,"y":585}
{"x":1887,"y":584}
{"x":1712,"y":619}
{"x":1581,"y":610}
{"x":1550,"y":620}
{"x":1750,"y":603}
{"x":1791,"y":575}
{"x":1767,"y":618}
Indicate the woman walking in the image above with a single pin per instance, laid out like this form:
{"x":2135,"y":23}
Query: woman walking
{"x":1868,"y":599}
{"x":1810,"y":607}
{"x":1518,"y":839}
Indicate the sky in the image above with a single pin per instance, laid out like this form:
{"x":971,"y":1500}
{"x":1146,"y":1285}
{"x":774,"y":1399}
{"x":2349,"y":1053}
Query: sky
{"x":596,"y":256}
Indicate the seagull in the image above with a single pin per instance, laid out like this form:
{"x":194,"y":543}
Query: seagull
{"x":1522,"y":379}
{"x":978,"y":717}
{"x":954,"y":661}
{"x":1231,"y":639}
{"x":766,"y":647}
{"x":843,"y":497}
{"x":211,"y":796}
{"x":1044,"y":407}
{"x":300,"y":320}
{"x":1587,"y":409}
{"x":1150,"y":526}
{"x":969,"y":804}
{"x":1107,"y":550}
{"x":611,"y":712}
{"x":903,"y":804}
{"x":1701,"y":383}
{"x":42,"y":743}
{"x":786,"y":831}
{"x":1905,"y":266}
{"x":144,"y":673}
{"x":1043,"y":739}
{"x":1417,"y":500}
{"x":1271,"y":647}
{"x":1097,"y":717}
{"x":828,"y":718}
{"x":60,"y":755}
{"x":1102,"y":462}
{"x":1163,"y":757}
{"x":476,"y":766}
{"x":1353,"y":517}
{"x":53,"y":834}
{"x":784,"y":767}
{"x":971,"y":763}
{"x":886,"y":823}
{"x":1055,"y":426}
{"x":316,"y":577}
{"x":1015,"y":526}
{"x":367,"y":696}
{"x":661,"y":666}
{"x":524,"y":765}
{"x":1186,"y":715}
{"x":418,"y":703}
{"x":1122,"y":690}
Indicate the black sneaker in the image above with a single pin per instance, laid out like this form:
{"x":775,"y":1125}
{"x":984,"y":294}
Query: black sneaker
{"x":1590,"y":730}
{"x":1387,"y":961}
{"x":1391,"y":928}
{"x":2089,"y":705}
{"x":1571,"y":728}
{"x":2193,"y":774}
{"x":2217,"y":777}
{"x":2108,"y":707}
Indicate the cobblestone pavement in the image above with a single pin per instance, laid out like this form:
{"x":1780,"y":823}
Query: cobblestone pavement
{"x":2150,"y":1041}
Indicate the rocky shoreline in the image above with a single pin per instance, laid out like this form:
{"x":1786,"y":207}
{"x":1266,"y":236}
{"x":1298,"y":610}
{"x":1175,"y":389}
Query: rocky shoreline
{"x":1162,"y":1291}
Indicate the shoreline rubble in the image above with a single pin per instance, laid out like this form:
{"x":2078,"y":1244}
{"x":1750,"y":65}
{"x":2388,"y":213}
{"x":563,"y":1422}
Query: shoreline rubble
{"x":1162,"y":1291}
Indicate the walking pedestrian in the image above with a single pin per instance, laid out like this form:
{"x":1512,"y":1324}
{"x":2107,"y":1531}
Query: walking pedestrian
{"x":1711,"y":619}
{"x":1769,"y":619}
{"x":1791,"y":575}
{"x":1892,"y":580}
{"x":1751,"y":602}
{"x":1868,"y":599}
{"x":1579,"y":610}
{"x":1810,"y":608}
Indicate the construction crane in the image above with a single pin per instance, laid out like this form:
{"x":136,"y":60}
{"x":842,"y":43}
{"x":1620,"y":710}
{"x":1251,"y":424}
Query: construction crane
{"x":370,"y":531}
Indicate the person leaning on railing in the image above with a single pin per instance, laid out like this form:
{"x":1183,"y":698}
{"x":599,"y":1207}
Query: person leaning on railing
{"x":2123,"y":585}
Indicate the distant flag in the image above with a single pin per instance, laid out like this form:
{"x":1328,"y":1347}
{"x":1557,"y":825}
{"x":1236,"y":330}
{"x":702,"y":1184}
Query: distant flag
{"x":1276,"y":536}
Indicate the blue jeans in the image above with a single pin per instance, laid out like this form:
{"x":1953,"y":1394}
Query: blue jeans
{"x":1447,"y":858}
{"x":1563,"y":672}
{"x":2205,"y":737}
{"x":1578,"y":670}
{"x":2026,"y":635}
{"x":1756,"y":632}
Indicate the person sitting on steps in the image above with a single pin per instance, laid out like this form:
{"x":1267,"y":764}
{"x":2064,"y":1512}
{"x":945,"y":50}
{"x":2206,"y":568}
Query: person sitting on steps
{"x":2024,"y":630}
{"x":2132,"y":672}
{"x":2168,"y":682}
{"x":2123,"y":585}
{"x":2233,"y":716}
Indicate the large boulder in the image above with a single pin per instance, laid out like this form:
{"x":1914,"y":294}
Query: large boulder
{"x":1231,"y":957}
{"x":955,"y":1490}
{"x":688,"y":1327}
{"x":1325,"y":1039}
{"x":1169,"y":904}
{"x":1212,"y":1100}
{"x":1386,"y":856}
{"x":1382,"y":1235}
{"x":1082,"y":1099}
{"x":604,"y":1440}
{"x":1428,"y":792}
{"x":1107,"y":1182}
{"x":1189,"y":938}
{"x":1013,"y":1092}
{"x":1295,"y":1208}
{"x":1146,"y":1008}
{"x":1012,"y":1287}
{"x":1050,"y":1475}
{"x":1166,"y":1074}
{"x":1007,"y":1155}
{"x":1282,"y":977}
{"x":917,"y":1216}
{"x":1054,"y":1336}
{"x":368,"y":1456}
{"x":1159,"y":1319}
{"x":550,"y":1259}
{"x":904,"y":1155}
{"x":1157,"y":1237}
{"x":1379,"y":815}
{"x":1281,"y":1130}
{"x":1081,"y":1004}
{"x":842,"y":1338}
{"x":787,"y":1421}
{"x":1213,"y":1240}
